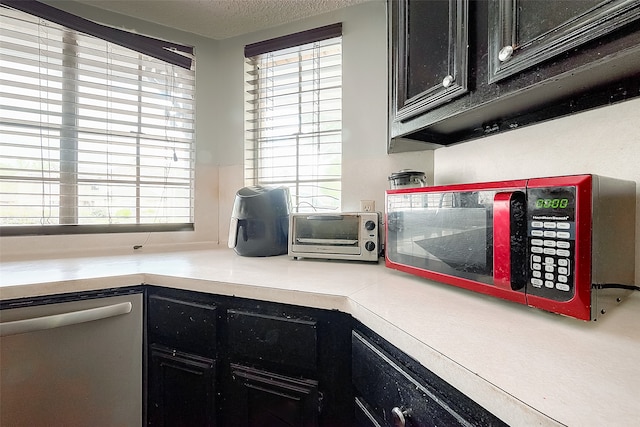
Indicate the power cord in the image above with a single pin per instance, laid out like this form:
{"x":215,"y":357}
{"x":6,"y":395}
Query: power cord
{"x":615,"y":286}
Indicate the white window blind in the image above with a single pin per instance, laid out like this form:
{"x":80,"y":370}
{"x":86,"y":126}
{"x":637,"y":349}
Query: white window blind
{"x":293,"y":133}
{"x":95,"y":137}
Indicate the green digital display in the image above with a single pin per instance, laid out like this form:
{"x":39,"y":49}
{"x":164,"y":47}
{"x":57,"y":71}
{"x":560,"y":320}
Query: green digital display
{"x":552,"y":203}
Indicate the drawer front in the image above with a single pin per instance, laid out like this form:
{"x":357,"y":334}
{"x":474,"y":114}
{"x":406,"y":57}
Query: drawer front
{"x":181,"y":389}
{"x":262,"y":398}
{"x":281,"y":340}
{"x":188,"y":326}
{"x":392,"y":393}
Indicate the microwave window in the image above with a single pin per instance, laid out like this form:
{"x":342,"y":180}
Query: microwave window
{"x":448,"y":232}
{"x":329,"y":230}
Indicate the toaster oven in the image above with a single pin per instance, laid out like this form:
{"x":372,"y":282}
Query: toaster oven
{"x":346,"y":236}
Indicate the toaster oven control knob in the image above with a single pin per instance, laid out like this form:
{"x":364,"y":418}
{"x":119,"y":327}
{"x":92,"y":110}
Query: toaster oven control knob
{"x":370,"y":246}
{"x":370,"y":225}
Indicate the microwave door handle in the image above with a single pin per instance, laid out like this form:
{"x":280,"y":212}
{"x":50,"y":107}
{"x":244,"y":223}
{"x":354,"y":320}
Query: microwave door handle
{"x":509,"y":240}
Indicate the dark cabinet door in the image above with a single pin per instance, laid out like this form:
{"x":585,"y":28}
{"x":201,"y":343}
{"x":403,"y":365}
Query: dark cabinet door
{"x":263,"y":399}
{"x":524,"y":33}
{"x":392,"y":390}
{"x":181,"y":389}
{"x":183,"y":324}
{"x":283,"y":342}
{"x":394,"y":394}
{"x":430,"y":40}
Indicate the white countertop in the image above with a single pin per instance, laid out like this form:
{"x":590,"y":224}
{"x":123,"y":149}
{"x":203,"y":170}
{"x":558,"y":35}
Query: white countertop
{"x":526,"y":366}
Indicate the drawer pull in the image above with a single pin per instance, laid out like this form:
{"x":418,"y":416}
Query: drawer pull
{"x":399,"y":416}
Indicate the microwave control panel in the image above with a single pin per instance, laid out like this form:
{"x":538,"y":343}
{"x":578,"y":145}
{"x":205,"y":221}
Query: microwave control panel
{"x":551,"y":242}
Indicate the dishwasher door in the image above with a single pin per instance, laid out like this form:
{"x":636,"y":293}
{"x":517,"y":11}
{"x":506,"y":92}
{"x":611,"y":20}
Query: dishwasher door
{"x":75,"y":363}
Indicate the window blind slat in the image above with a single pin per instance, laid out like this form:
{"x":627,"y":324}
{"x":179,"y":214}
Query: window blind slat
{"x":92,"y":133}
{"x":145,"y":134}
{"x":293,"y":122}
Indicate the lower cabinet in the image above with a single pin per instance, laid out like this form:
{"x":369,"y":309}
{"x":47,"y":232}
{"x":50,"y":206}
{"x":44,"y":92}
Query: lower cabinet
{"x":182,"y":354}
{"x":286,"y":366}
{"x":215,"y":360}
{"x":393,"y":390}
{"x":182,"y":389}
{"x":262,"y":398}
{"x":273,"y":361}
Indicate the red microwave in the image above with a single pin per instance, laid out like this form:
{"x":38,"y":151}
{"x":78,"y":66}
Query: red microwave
{"x":562,"y":244}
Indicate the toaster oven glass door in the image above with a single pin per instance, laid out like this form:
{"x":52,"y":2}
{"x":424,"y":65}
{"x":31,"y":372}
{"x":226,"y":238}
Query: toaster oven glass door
{"x":339,"y":233}
{"x":445,"y":232}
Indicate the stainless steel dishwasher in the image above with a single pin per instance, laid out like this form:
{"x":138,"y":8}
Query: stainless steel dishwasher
{"x":73,"y":363}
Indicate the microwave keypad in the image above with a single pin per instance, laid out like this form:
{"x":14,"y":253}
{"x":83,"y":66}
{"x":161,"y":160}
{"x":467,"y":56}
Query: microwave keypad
{"x":552,"y":236}
{"x":550,"y":259}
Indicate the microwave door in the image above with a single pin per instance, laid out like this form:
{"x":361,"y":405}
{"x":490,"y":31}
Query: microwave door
{"x":474,"y":239}
{"x":458,"y":237}
{"x":447,"y":234}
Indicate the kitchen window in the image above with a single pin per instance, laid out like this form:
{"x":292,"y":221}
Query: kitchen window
{"x":293,"y":132}
{"x":95,"y":136}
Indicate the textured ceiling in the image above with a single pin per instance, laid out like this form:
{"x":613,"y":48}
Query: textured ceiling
{"x":221,"y":19}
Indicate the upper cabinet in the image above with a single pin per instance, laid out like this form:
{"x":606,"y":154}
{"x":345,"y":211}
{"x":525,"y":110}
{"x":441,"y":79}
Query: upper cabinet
{"x":430,"y":55}
{"x":463,"y":69}
{"x":524,"y":33}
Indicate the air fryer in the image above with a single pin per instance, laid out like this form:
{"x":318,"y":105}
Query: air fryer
{"x":260,"y":221}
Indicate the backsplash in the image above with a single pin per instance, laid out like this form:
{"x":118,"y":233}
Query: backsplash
{"x":603,"y":141}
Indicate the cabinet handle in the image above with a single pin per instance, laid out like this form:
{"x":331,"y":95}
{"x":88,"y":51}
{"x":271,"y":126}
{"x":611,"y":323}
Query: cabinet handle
{"x":446,"y":82}
{"x":399,"y":416}
{"x":505,"y":53}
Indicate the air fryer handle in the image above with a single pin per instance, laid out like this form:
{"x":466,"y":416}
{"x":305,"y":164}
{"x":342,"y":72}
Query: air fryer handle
{"x":233,"y":233}
{"x":509,"y":240}
{"x":234,"y":228}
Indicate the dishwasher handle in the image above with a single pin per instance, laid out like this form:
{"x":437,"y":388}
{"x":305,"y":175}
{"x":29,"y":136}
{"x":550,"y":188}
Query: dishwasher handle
{"x":64,"y":319}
